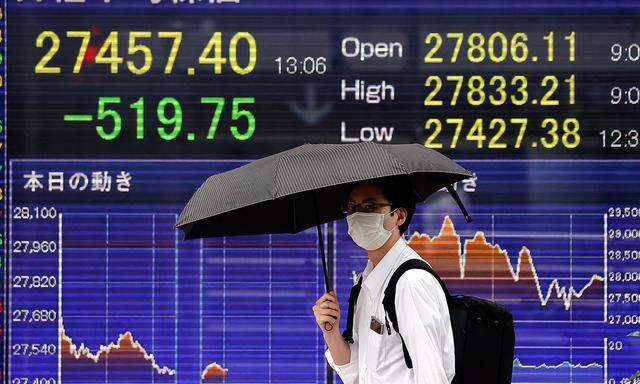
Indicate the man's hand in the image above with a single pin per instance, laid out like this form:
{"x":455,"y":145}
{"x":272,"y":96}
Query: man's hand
{"x":326,"y":310}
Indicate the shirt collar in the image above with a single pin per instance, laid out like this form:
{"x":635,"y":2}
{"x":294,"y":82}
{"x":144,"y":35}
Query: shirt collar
{"x":373,"y":278}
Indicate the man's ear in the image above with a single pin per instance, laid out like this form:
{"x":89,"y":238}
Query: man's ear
{"x":402,"y":216}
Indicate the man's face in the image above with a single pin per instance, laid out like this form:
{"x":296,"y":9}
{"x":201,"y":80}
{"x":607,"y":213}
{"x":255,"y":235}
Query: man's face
{"x":364,"y":192}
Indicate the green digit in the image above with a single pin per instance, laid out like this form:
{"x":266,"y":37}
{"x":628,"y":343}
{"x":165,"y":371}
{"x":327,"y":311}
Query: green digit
{"x":219,"y":102}
{"x":175,"y":119}
{"x":139,"y":107}
{"x":237,"y":113}
{"x":104,"y":113}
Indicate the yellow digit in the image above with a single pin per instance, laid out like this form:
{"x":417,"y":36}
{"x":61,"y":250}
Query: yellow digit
{"x":217,"y":60}
{"x":572,"y":88}
{"x":438,"y":42}
{"x":519,"y":49}
{"x":456,"y":92}
{"x":456,"y":133}
{"x":476,"y":43}
{"x":522,"y":89}
{"x":551,"y":132}
{"x":549,"y":39}
{"x":500,"y":90}
{"x":503,"y":47}
{"x":475,"y":89}
{"x":110,"y":47}
{"x":135,"y":48}
{"x":523,"y":128}
{"x":175,"y":47}
{"x":571,"y":38}
{"x":475,"y":133}
{"x":86,"y":37}
{"x":41,"y":67}
{"x":570,"y":128}
{"x":458,"y":36}
{"x":493,"y":143}
{"x":429,"y":143}
{"x":554,"y":85}
{"x":233,"y":55}
{"x":438,"y":85}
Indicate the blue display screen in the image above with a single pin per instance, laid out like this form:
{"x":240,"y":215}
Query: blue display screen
{"x":115,"y":112}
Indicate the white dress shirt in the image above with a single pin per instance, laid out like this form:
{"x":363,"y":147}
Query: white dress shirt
{"x":423,"y":320}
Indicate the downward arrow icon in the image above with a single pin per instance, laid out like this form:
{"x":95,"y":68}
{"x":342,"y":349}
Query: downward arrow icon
{"x":310,"y":112}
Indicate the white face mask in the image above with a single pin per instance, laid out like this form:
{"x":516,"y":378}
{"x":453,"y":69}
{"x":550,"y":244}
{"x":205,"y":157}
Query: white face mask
{"x":367,"y":229}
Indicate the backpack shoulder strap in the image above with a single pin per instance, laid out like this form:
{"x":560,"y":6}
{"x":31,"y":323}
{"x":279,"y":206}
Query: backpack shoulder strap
{"x":390,"y":295}
{"x":347,"y":335}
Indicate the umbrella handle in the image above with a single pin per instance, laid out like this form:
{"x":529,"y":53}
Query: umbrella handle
{"x":328,"y":326}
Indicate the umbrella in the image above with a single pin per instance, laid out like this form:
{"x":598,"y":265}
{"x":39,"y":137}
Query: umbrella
{"x":304,"y":186}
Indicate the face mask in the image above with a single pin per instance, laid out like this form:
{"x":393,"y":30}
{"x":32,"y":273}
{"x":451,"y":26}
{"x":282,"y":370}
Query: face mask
{"x":367,"y":229}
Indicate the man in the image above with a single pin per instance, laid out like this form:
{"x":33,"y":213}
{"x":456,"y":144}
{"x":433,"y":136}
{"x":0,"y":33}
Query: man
{"x":379,"y":211}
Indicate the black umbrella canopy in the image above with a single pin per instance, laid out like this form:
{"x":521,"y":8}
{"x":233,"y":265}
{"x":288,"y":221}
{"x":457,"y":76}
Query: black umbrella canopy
{"x":275,"y":194}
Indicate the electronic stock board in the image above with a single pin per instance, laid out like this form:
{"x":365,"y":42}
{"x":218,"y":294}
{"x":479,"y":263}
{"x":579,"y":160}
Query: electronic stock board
{"x":115,"y":111}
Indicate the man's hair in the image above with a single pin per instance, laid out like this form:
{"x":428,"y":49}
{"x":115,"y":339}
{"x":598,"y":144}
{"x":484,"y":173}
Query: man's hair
{"x":398,"y":191}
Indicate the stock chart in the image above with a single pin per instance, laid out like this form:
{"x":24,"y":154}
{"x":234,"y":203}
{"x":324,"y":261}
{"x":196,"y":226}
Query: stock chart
{"x":116,"y":111}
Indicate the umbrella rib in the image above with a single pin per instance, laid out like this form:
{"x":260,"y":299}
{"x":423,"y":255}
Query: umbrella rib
{"x":398,"y":161}
{"x":275,"y":178}
{"x":456,"y":198}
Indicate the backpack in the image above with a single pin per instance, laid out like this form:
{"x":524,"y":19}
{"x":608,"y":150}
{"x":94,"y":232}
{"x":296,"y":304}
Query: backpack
{"x":483,"y":332}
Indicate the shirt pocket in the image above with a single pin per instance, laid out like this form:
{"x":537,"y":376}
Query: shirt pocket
{"x":390,"y":355}
{"x":377,"y":345}
{"x":379,"y":342}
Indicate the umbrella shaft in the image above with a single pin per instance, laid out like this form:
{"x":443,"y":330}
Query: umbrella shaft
{"x":321,"y":240}
{"x":324,"y":260}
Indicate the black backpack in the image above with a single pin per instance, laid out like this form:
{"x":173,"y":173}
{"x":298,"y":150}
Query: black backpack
{"x":483,"y":332}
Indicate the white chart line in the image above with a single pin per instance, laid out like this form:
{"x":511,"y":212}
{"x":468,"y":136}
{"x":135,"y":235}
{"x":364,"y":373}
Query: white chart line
{"x":60,"y":323}
{"x":606,"y":262}
{"x":200,"y":367}
{"x":570,"y":359}
{"x":175,"y":299}
{"x":270,"y":301}
{"x":224,"y":299}
{"x":8,"y":325}
{"x":106,"y":331}
{"x":153,"y":291}
{"x":493,"y":241}
{"x":7,"y":204}
{"x":606,"y":362}
{"x":571,"y":270}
